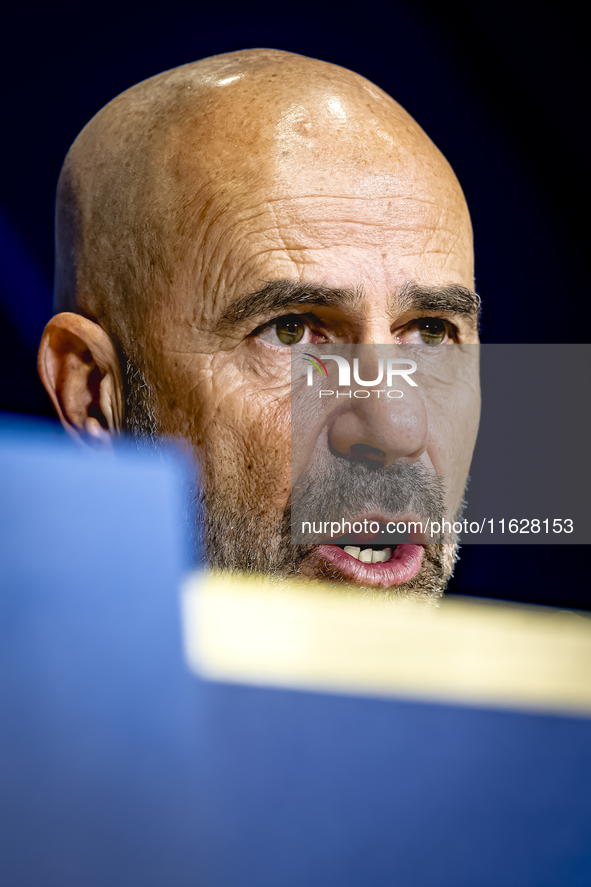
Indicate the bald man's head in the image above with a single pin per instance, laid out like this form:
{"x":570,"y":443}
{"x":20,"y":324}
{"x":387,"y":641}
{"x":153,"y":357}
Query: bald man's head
{"x":214,"y":217}
{"x":153,"y":171}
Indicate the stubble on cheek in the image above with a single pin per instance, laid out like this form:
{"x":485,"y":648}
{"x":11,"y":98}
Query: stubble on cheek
{"x":241,"y":446}
{"x":246,"y":482}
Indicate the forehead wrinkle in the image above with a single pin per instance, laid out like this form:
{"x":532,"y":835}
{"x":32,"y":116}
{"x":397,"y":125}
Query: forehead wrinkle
{"x":229,"y":275}
{"x":216,"y":264}
{"x":315,"y":203}
{"x":212,"y":205}
{"x":315,"y":232}
{"x":318,"y":212}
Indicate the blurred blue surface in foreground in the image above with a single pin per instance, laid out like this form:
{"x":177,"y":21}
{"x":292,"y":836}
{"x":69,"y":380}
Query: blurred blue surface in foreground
{"x":95,"y":731}
{"x":120,"y":767}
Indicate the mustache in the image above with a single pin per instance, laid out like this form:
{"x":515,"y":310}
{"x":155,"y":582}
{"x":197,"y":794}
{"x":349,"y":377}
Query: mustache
{"x":338,"y":490}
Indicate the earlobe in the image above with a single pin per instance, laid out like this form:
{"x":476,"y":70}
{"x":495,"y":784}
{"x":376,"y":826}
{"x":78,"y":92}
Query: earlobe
{"x":79,"y":368}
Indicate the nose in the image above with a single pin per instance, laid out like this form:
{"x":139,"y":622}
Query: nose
{"x":380,"y":432}
{"x":379,"y":426}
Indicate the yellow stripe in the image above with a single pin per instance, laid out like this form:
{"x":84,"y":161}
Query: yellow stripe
{"x":469,"y":651}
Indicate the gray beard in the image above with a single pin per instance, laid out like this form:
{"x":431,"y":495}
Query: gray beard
{"x":228,"y":536}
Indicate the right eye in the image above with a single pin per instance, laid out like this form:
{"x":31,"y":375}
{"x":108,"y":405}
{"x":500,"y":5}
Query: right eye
{"x":292,"y":329}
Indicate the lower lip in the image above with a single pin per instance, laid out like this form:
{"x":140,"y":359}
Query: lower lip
{"x":405,"y":563}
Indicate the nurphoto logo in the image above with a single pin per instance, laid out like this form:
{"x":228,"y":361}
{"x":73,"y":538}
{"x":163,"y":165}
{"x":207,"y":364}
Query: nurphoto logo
{"x":390,"y":368}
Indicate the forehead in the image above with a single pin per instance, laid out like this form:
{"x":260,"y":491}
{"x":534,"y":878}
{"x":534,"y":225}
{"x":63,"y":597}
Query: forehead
{"x":322,"y":190}
{"x":377,"y":242}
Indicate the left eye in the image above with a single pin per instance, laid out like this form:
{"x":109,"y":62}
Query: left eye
{"x":427,"y":331}
{"x":432,"y":330}
{"x":286,"y":331}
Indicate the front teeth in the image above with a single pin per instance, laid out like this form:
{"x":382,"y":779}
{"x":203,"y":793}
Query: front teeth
{"x":369,"y":555}
{"x":354,"y":552}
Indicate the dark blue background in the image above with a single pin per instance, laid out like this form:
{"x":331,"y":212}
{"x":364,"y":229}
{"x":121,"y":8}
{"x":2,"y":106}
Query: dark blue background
{"x":500,"y":89}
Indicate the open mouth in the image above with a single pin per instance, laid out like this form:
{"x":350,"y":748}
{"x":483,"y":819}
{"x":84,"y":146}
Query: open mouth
{"x":375,"y":564}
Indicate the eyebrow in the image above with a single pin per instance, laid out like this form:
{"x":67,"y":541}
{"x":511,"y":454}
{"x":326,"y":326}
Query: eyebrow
{"x":452,"y":299}
{"x":279,"y":296}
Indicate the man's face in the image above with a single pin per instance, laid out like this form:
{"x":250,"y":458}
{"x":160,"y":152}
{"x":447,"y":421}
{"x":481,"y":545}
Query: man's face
{"x":313,"y":245}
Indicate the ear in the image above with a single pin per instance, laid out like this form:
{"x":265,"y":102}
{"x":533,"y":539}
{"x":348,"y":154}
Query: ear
{"x":79,"y":368}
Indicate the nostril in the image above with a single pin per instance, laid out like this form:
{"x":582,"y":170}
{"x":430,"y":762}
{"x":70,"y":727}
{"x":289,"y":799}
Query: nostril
{"x":369,"y":455}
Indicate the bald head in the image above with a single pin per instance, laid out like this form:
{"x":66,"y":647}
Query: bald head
{"x":155,"y":184}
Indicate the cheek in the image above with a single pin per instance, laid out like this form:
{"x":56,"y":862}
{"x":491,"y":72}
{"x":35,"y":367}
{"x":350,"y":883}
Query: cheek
{"x":453,"y":426}
{"x":236,"y":423}
{"x":242,"y":443}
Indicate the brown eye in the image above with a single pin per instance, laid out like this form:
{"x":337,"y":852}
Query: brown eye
{"x":432,"y":330}
{"x":290,"y":330}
